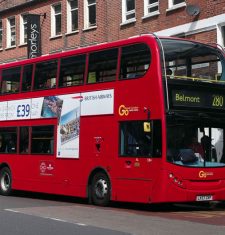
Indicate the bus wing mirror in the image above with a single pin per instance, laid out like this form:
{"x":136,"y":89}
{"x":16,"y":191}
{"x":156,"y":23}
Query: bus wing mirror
{"x":147,"y":110}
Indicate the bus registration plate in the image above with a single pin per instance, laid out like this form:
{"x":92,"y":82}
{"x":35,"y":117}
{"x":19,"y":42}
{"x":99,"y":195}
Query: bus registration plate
{"x":204,"y":198}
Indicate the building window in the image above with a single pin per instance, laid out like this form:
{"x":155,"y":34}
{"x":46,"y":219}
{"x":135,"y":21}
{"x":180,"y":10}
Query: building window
{"x":176,"y":3}
{"x":221,"y":42}
{"x":1,"y":33}
{"x":23,"y":29}
{"x":56,"y":20}
{"x":89,"y":13}
{"x":151,"y":7}
{"x":128,"y":10}
{"x":223,"y":36}
{"x":11,"y":32}
{"x":72,"y":12}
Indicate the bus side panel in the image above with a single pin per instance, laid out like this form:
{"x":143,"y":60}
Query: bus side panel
{"x":62,"y":180}
{"x":187,"y":187}
{"x":165,"y":190}
{"x":132,"y":191}
{"x":135,"y":183}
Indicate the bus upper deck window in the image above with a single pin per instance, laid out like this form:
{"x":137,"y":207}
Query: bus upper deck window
{"x":72,"y":71}
{"x":135,"y":61}
{"x":193,"y":61}
{"x":27,"y":77}
{"x":102,"y":66}
{"x":45,"y":75}
{"x":11,"y":80}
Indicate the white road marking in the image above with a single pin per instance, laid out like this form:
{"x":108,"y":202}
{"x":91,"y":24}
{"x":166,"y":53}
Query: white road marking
{"x":51,"y":218}
{"x":56,"y":219}
{"x":80,"y":224}
{"x":10,"y":210}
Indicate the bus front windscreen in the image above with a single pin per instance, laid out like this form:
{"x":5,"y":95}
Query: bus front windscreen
{"x":194,"y":78}
{"x":188,"y":60}
{"x":191,"y":143}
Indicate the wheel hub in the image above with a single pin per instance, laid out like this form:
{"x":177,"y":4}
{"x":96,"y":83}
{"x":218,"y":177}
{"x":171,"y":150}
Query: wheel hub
{"x":101,"y":188}
{"x":5,"y":181}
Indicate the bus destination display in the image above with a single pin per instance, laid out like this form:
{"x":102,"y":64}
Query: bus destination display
{"x":198,"y":99}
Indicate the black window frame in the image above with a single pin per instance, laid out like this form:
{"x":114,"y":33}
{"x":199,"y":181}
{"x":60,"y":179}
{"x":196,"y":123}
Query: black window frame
{"x":26,"y":82}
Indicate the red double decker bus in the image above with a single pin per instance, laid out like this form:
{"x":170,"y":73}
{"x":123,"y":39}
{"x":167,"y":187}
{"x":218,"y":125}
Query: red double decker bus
{"x":138,"y":120}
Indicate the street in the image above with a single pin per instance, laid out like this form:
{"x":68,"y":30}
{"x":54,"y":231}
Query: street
{"x":29,"y":213}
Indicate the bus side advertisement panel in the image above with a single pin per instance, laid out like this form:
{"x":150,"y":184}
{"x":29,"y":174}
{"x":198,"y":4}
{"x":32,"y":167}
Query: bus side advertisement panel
{"x":67,"y":109}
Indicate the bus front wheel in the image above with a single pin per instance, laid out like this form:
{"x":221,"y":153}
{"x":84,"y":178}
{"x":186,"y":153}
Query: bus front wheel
{"x":5,"y":181}
{"x":100,"y":189}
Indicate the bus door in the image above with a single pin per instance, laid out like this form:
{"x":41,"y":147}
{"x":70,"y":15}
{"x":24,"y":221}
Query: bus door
{"x":140,"y":147}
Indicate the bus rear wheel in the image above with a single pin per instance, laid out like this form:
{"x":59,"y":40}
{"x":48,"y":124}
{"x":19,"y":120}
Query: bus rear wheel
{"x":5,"y":181}
{"x":100,"y":189}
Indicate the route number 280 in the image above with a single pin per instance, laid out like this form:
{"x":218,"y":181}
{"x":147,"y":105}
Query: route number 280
{"x":217,"y":101}
{"x":23,"y":110}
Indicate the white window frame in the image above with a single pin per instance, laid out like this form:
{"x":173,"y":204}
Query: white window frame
{"x":1,"y":34}
{"x":9,"y":32}
{"x":70,"y":10}
{"x":149,"y":6}
{"x":126,"y":13}
{"x":23,"y":26}
{"x":172,"y":6}
{"x":221,"y":39}
{"x":87,"y":24}
{"x":53,"y":20}
{"x":221,"y":35}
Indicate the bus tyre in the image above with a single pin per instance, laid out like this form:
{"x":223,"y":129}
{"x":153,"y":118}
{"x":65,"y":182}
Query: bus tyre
{"x":5,"y":181}
{"x":100,"y":189}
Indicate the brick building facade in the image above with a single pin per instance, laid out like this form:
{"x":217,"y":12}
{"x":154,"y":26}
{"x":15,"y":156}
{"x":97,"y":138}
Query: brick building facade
{"x":68,"y":24}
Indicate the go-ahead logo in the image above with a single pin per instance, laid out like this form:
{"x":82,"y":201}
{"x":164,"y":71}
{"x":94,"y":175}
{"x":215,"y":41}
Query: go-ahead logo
{"x":124,"y":111}
{"x":204,"y":174}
